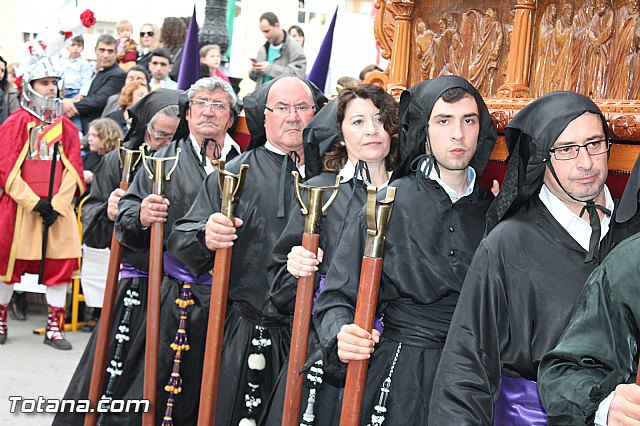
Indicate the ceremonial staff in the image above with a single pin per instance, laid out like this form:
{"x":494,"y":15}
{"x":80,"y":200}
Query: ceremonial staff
{"x":45,"y":229}
{"x":128,"y":164}
{"x":304,"y":296}
{"x":153,"y":289}
{"x":378,"y":214}
{"x":230,"y":186}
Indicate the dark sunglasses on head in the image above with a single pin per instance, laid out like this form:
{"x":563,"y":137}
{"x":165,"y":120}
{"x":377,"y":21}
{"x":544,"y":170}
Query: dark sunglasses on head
{"x":144,"y":33}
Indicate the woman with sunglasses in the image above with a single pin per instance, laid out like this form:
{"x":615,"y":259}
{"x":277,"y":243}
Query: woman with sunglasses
{"x":149,"y":41}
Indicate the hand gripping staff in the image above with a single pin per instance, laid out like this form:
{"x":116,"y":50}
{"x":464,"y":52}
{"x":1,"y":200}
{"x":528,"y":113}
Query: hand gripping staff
{"x":304,"y":296}
{"x":378,"y":214}
{"x":155,"y":280}
{"x":231,"y":186}
{"x":128,"y":164}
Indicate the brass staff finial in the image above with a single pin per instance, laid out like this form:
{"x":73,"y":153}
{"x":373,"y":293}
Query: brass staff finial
{"x":231,"y":186}
{"x":315,"y":210}
{"x":158,"y":174}
{"x":378,"y":215}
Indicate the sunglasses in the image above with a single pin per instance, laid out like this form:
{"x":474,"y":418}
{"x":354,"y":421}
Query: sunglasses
{"x":146,"y":33}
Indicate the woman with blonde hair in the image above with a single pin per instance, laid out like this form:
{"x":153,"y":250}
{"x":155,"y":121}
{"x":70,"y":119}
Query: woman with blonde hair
{"x":149,"y":41}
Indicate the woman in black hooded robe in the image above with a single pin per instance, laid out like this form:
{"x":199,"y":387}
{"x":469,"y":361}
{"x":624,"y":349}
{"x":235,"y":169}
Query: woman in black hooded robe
{"x":341,"y":157}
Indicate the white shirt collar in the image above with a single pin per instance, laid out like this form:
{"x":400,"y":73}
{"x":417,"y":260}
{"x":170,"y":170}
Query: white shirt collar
{"x":453,"y":195}
{"x":227,"y":145}
{"x":270,"y":147}
{"x":578,"y":228}
{"x":349,"y":170}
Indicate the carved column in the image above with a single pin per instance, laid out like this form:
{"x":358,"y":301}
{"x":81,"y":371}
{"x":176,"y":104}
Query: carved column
{"x":519,"y":61}
{"x":399,"y":63}
{"x":214,"y":29}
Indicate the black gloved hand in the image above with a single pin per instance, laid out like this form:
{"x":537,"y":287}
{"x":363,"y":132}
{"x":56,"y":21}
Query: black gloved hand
{"x":49,"y":215}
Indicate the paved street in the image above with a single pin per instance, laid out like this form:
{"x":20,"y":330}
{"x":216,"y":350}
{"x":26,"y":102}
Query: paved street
{"x":29,"y":368}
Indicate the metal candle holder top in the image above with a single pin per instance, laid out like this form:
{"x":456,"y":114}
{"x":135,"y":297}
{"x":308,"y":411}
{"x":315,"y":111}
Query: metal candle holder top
{"x":315,"y":210}
{"x":158,"y":175}
{"x":231,"y":186}
{"x":378,"y":215}
{"x":129,"y":159}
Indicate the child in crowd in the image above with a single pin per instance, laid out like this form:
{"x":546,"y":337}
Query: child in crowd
{"x":210,"y":56}
{"x":127,"y":50}
{"x":77,"y":73}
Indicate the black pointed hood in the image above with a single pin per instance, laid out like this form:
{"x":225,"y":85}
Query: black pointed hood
{"x":255,"y":103}
{"x":142,"y":112}
{"x":530,"y":135}
{"x":320,"y":136}
{"x":416,"y":104}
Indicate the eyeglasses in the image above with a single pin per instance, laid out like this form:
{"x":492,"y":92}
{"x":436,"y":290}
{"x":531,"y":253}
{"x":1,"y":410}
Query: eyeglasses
{"x":286,"y":109}
{"x":215,"y":106}
{"x":146,"y":33}
{"x":160,"y":136}
{"x":569,"y":152}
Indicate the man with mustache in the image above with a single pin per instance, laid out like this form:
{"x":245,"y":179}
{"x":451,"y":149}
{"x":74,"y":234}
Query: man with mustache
{"x":256,"y":341}
{"x":549,"y":227}
{"x":207,"y":111}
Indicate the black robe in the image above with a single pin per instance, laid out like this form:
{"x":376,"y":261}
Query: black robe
{"x":180,"y":190}
{"x":516,"y":301}
{"x":429,"y":246}
{"x":599,"y":348}
{"x":282,"y":293}
{"x":248,"y":285}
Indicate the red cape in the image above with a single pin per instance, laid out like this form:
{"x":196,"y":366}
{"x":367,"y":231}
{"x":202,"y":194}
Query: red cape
{"x":14,"y":136}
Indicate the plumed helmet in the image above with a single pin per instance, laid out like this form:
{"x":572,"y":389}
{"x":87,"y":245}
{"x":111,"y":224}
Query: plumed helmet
{"x":46,"y":109}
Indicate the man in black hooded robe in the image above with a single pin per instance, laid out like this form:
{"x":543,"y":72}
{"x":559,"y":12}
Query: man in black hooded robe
{"x":548,"y":229}
{"x":590,"y":375}
{"x":256,"y":343}
{"x":208,"y":111}
{"x":436,"y":225}
{"x":160,"y":111}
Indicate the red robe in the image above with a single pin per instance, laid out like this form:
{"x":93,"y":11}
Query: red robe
{"x":14,"y":141}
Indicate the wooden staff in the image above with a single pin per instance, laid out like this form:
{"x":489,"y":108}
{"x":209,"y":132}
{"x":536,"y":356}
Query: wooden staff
{"x":230,"y":186}
{"x":153,"y":290}
{"x":304,"y":297}
{"x":378,"y":215}
{"x":131,"y":159}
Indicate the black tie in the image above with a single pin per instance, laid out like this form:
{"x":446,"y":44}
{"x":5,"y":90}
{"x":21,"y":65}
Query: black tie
{"x":283,"y":176}
{"x":594,"y":220}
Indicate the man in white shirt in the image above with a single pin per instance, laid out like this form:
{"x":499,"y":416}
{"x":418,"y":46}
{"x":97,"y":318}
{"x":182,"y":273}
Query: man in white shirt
{"x":160,"y":66}
{"x":549,"y":227}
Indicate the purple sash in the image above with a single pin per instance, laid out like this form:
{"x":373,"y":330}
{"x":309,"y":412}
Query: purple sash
{"x":173,"y":267}
{"x":519,"y":404}
{"x":130,"y":271}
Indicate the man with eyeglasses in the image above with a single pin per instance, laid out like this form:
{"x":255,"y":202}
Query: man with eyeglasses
{"x":160,"y":66}
{"x":207,"y":111}
{"x":548,"y":228}
{"x":589,"y":376}
{"x":155,"y":114}
{"x":256,"y":342}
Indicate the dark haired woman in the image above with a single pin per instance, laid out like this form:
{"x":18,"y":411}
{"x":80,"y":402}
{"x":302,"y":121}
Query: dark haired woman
{"x":364,"y":125}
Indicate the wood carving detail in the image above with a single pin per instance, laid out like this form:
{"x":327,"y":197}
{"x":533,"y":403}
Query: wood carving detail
{"x":471,"y":44}
{"x":624,"y":127}
{"x":592,"y":48}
